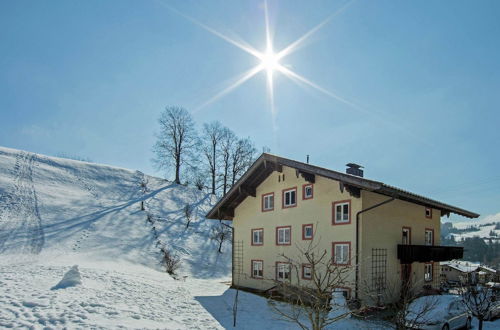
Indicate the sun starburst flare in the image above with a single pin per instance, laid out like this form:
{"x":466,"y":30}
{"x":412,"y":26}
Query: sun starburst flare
{"x":270,"y":64}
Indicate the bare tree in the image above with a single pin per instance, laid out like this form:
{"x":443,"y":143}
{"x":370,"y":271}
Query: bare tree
{"x":313,"y":304}
{"x":170,"y":261}
{"x":396,"y":296}
{"x":188,"y":213}
{"x":479,"y":301}
{"x":176,"y":139}
{"x":221,"y":234}
{"x":212,"y":135}
{"x":242,"y":157}
{"x":227,"y":143}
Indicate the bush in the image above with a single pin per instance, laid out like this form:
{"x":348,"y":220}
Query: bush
{"x":170,"y":261}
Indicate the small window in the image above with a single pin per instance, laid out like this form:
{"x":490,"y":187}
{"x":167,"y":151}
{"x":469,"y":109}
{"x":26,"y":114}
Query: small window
{"x":345,"y":292}
{"x":341,"y":212}
{"x":257,"y":269}
{"x":307,"y":191}
{"x":283,"y":235}
{"x":428,"y":272}
{"x":406,"y":236}
{"x":428,"y":213}
{"x":268,"y":202}
{"x":306,"y":272}
{"x":429,"y":237}
{"x":289,"y":197}
{"x":282,"y":271}
{"x":258,"y":236}
{"x":342,"y":253}
{"x":307,"y":231}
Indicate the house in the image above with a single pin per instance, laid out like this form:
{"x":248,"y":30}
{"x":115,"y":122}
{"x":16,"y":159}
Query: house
{"x":465,"y":272}
{"x":280,"y":205}
{"x":459,"y":272}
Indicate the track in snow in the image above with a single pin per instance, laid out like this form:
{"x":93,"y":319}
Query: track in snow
{"x":20,"y":221}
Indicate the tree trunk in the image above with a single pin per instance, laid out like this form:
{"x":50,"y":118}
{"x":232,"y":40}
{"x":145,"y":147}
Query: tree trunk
{"x":214,"y":168}
{"x":480,"y":324}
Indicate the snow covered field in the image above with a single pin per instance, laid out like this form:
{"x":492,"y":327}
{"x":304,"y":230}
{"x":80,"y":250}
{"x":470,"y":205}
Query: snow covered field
{"x":56,"y":213}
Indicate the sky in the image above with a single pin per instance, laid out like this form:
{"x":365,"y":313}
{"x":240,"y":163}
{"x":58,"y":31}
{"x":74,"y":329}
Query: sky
{"x":408,"y":89}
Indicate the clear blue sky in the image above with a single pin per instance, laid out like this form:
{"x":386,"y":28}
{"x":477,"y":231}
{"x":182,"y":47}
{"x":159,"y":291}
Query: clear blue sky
{"x":90,"y":78}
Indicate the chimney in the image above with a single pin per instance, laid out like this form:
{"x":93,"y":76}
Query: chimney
{"x":354,"y":169}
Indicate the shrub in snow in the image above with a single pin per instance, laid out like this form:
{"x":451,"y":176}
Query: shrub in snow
{"x":170,"y":261}
{"x":71,"y":278}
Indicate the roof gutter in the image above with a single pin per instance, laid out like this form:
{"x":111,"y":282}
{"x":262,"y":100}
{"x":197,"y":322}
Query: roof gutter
{"x":356,"y":290}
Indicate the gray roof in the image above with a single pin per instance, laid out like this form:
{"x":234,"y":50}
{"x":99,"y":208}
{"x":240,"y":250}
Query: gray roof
{"x":268,"y":163}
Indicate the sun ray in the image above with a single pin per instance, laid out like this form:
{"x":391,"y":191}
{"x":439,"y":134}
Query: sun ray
{"x":298,"y":43}
{"x":240,"y":44}
{"x":239,"y":81}
{"x":378,"y":116}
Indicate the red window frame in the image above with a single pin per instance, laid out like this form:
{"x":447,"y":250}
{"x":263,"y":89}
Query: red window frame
{"x":304,"y":191}
{"x":304,"y":232}
{"x":251,"y":269}
{"x":262,"y":202}
{"x":430,"y":213}
{"x":281,"y":244}
{"x":348,"y":255}
{"x":251,"y":238}
{"x":334,"y":213}
{"x":283,"y":197}
{"x":431,"y":230}
{"x":289,"y":268}
{"x":409,"y":230}
{"x":303,"y":273}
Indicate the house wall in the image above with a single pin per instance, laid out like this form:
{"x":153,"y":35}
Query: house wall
{"x":381,"y":228}
{"x":317,"y":211}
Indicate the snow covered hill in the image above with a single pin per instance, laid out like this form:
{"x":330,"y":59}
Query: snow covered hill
{"x":53,"y":206}
{"x":486,"y":228}
{"x":55,"y":213}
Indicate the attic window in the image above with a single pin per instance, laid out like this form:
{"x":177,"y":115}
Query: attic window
{"x":342,"y":212}
{"x":428,"y":213}
{"x":268,"y":202}
{"x":307,"y":191}
{"x":290,"y":197}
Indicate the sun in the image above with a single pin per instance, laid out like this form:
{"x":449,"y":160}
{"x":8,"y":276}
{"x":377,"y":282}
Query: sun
{"x":269,"y":61}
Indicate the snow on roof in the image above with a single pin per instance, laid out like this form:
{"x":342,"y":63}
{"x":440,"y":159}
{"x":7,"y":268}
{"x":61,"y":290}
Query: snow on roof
{"x":488,"y":269}
{"x":462,"y":266}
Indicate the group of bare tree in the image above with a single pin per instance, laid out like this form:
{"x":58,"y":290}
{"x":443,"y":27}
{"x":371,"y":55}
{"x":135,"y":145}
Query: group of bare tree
{"x":214,"y":158}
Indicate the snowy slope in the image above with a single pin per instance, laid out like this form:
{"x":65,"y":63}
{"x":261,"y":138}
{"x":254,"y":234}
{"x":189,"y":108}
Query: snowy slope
{"x":485,"y":225}
{"x":52,"y":207}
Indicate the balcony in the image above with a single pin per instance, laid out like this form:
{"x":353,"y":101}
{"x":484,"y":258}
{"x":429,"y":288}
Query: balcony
{"x":427,"y":253}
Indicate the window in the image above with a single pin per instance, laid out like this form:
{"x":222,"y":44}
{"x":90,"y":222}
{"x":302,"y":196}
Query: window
{"x":307,"y":191}
{"x":257,"y":268}
{"x":306,"y":272}
{"x":268,"y":202}
{"x":282,"y":271}
{"x":342,"y":253}
{"x":283,"y":235}
{"x":342,"y":212}
{"x":428,"y":213}
{"x":290,"y":197}
{"x":258,"y":236}
{"x":429,"y":236}
{"x":428,"y":272}
{"x":406,"y":236}
{"x":307,"y":231}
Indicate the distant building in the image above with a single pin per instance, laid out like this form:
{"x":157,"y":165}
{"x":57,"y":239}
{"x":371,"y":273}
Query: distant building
{"x":280,"y":205}
{"x":465,"y":272}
